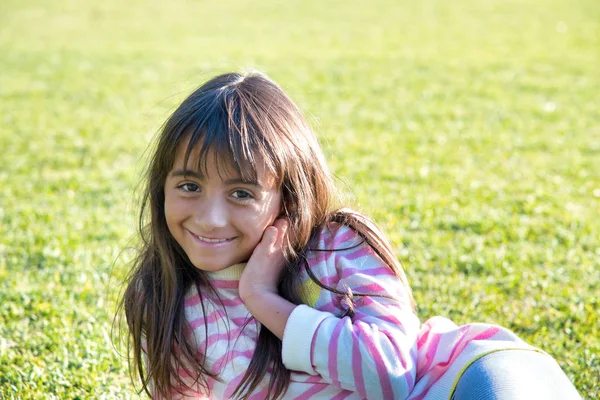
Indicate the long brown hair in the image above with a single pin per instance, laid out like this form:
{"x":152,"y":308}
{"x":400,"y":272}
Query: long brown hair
{"x":243,"y":118}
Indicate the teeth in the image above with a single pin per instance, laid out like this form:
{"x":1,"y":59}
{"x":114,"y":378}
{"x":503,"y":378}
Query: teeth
{"x":212,"y":240}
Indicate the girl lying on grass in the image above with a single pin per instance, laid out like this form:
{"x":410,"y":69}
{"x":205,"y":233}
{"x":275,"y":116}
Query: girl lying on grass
{"x":250,"y":284}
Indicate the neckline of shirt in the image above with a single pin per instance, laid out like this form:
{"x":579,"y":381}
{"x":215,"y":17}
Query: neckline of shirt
{"x":232,"y":273}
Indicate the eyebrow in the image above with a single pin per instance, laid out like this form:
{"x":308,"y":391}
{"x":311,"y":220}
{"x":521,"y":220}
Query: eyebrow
{"x":231,"y":181}
{"x":186,"y":172}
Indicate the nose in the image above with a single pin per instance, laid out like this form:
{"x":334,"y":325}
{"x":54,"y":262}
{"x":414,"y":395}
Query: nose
{"x":212,"y":214}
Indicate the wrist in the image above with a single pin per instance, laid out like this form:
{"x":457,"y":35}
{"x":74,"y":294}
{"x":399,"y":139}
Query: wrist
{"x":257,"y":293}
{"x":270,"y":309}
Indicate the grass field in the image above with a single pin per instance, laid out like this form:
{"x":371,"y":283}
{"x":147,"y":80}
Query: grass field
{"x":469,"y":130}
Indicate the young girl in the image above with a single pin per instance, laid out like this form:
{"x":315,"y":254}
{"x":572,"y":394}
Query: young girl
{"x":250,"y":284}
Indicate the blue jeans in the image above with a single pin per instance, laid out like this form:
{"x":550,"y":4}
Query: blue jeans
{"x":514,"y":375}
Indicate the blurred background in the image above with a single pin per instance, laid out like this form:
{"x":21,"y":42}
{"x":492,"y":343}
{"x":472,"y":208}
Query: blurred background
{"x":469,"y":130}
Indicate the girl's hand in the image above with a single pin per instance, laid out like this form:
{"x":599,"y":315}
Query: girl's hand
{"x":258,"y":283}
{"x":264,"y":267}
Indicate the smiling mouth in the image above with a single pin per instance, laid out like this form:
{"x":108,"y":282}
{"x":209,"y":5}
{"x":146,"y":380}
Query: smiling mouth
{"x":211,"y":240}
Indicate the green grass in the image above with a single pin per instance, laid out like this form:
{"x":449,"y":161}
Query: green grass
{"x":469,"y":130}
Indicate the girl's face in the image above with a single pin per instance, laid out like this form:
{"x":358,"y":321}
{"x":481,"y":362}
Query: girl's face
{"x":218,"y":219}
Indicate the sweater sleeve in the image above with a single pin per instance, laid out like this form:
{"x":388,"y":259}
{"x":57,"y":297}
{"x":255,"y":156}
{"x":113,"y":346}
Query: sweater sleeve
{"x":373,"y":352}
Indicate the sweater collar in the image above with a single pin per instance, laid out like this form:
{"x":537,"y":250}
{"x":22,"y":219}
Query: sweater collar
{"x":232,"y":273}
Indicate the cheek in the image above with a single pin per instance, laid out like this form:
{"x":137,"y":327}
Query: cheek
{"x":270,"y":212}
{"x":256,"y":222}
{"x":173,"y":211}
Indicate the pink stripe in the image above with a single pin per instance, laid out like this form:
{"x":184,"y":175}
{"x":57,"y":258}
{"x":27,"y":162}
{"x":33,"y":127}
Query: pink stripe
{"x":396,"y":345}
{"x":187,"y":392}
{"x":380,"y":366}
{"x":315,"y":388}
{"x":374,"y":306}
{"x":215,"y":316}
{"x":330,"y":306}
{"x":488,"y":333}
{"x":222,"y":284}
{"x":390,"y":319}
{"x":313,"y":379}
{"x":370,"y":288}
{"x":372,"y":272}
{"x":233,"y":334}
{"x":332,"y":364}
{"x":330,"y":280}
{"x":426,"y":329}
{"x":374,"y":301}
{"x":319,"y":258}
{"x":232,"y":385}
{"x":229,"y":357}
{"x":192,"y":301}
{"x":260,"y":395}
{"x":312,"y":358}
{"x":413,"y":352}
{"x":462,"y":341}
{"x":342,"y":395}
{"x":360,"y":252}
{"x":432,"y":346}
{"x":359,"y":379}
{"x":183,"y":373}
{"x":342,"y":238}
{"x":211,"y":384}
{"x":438,"y":371}
{"x":211,"y":319}
{"x":232,"y":302}
{"x":241,"y":321}
{"x":212,"y":339}
{"x":410,"y":382}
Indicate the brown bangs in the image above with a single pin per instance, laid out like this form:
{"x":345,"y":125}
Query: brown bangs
{"x":226,"y":130}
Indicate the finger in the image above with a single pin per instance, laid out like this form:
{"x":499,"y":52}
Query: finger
{"x":282,"y":225}
{"x":270,"y":236}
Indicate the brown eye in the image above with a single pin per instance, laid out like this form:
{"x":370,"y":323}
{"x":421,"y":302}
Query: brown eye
{"x":189,"y":187}
{"x":242,"y":195}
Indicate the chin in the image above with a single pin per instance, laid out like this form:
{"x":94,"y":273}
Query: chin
{"x":212,"y":267}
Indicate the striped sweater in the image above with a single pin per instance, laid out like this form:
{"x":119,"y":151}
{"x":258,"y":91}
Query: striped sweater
{"x":381,"y":352}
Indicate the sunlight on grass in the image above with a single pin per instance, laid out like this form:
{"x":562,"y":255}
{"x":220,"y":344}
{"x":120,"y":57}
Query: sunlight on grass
{"x":470,"y":131}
